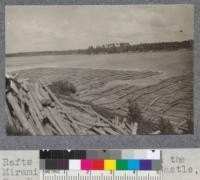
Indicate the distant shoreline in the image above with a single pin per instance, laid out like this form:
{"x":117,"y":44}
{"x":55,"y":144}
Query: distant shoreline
{"x":163,"y":46}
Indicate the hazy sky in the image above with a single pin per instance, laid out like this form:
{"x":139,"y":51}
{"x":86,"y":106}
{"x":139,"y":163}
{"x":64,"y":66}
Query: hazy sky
{"x":40,"y":28}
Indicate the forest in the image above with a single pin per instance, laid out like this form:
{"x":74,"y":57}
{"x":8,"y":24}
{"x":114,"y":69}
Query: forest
{"x":114,"y":48}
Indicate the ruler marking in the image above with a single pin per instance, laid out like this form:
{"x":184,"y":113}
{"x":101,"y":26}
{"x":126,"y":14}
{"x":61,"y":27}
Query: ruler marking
{"x":97,"y":175}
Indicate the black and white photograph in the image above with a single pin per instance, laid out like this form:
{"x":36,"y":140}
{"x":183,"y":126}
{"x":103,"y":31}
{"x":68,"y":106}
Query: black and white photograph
{"x":99,"y":69}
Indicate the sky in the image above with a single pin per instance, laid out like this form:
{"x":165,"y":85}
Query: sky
{"x":42,"y":28}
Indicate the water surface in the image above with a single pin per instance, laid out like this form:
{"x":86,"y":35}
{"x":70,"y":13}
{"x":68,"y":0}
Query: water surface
{"x":170,"y":63}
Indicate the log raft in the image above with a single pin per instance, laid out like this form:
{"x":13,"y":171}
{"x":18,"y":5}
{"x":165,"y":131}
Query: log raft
{"x":32,"y":107}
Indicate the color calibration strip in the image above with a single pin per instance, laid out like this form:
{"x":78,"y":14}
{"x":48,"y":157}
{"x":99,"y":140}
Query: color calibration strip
{"x":100,"y":154}
{"x":77,"y":164}
{"x":100,"y":160}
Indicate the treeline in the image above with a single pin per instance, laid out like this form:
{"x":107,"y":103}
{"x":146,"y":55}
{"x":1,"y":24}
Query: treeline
{"x":115,"y":48}
{"x":126,"y":47}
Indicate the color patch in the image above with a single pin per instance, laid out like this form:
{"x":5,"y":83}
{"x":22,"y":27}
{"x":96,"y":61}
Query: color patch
{"x":98,"y":164}
{"x":122,"y":164}
{"x":74,"y":165}
{"x":109,"y":164}
{"x":68,"y":154}
{"x":44,"y":154}
{"x":139,"y":154}
{"x":86,"y":165}
{"x":79,"y":154}
{"x":133,"y":165}
{"x":62,"y":164}
{"x":127,"y":154}
{"x":115,"y":154}
{"x":156,"y":165}
{"x":57,"y":154}
{"x":50,"y":164}
{"x":153,"y":154}
{"x":42,"y":164}
{"x":145,"y":165}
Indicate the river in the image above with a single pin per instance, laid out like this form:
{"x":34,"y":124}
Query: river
{"x":171,"y":63}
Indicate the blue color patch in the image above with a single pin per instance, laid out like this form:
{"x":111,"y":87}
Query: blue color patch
{"x":133,"y":165}
{"x":145,"y":165}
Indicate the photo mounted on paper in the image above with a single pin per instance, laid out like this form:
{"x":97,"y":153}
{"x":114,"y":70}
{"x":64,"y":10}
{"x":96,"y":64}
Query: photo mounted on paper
{"x":99,"y":70}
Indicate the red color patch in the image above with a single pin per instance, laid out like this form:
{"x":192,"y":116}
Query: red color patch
{"x":98,"y":164}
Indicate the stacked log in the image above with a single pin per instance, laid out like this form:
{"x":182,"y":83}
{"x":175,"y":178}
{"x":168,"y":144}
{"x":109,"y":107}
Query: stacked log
{"x":33,"y":107}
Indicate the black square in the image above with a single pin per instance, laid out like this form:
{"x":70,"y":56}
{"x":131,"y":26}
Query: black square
{"x":68,"y":154}
{"x":57,"y":154}
{"x":44,"y":154}
{"x":79,"y":154}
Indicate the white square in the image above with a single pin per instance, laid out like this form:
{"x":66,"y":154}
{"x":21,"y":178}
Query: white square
{"x":153,"y":154}
{"x":74,"y":165}
{"x":139,"y":154}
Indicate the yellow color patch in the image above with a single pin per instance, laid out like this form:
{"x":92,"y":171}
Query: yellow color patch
{"x":109,"y":164}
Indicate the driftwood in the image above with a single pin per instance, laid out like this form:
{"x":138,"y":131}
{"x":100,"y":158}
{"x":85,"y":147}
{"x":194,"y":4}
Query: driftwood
{"x":99,"y":131}
{"x":134,"y":128}
{"x":32,"y":106}
{"x":111,"y":132}
{"x":156,"y":132}
{"x":35,"y":117}
{"x":19,"y":114}
{"x":9,"y":117}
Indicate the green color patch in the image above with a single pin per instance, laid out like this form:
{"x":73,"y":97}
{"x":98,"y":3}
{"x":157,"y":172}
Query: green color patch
{"x":122,"y":164}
